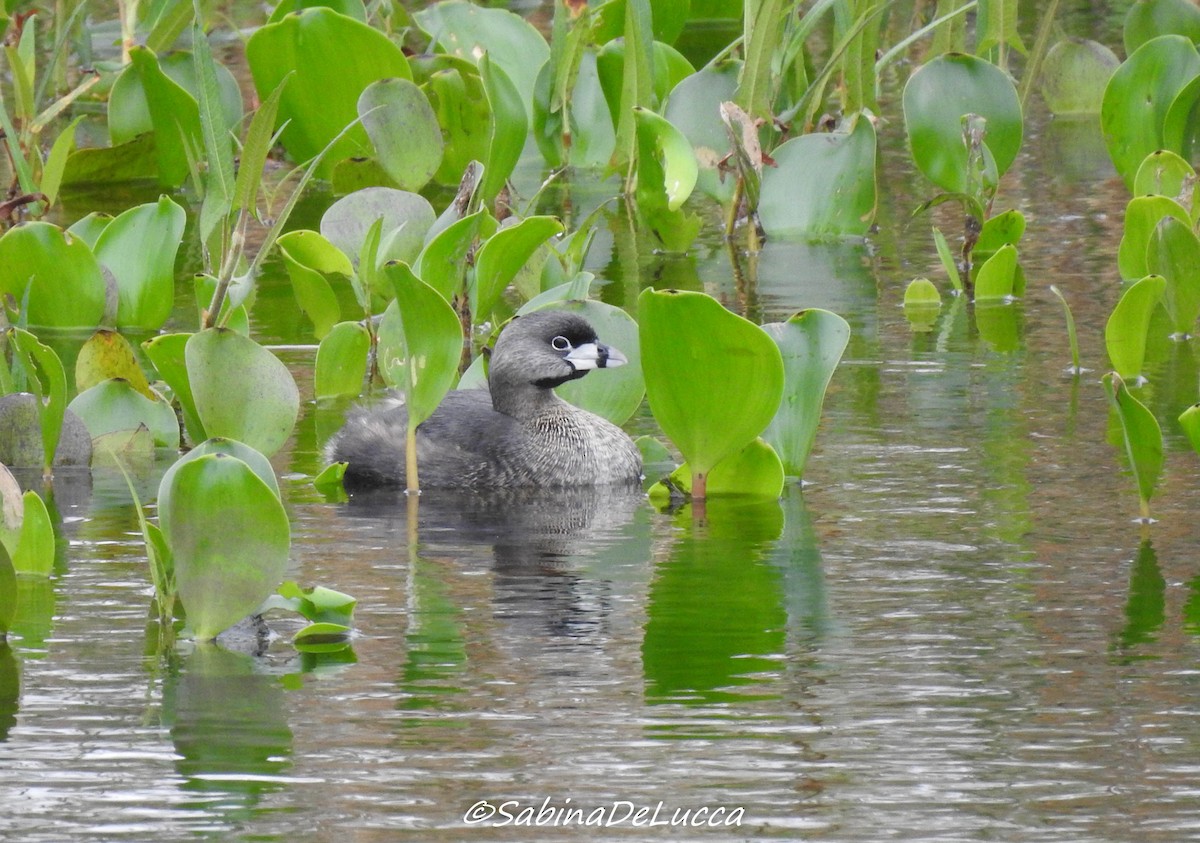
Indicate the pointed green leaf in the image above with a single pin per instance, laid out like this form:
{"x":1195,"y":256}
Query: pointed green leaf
{"x":218,"y":151}
{"x":502,"y":256}
{"x":229,"y":537}
{"x":241,"y":390}
{"x":697,"y":358}
{"x":313,"y":263}
{"x":1140,"y":435}
{"x":1189,"y":420}
{"x":443,"y":262}
{"x":510,"y":126}
{"x":811,"y":344}
{"x":255,"y":148}
{"x":174,"y":115}
{"x":48,"y":382}
{"x":1125,"y":332}
{"x":1164,"y":173}
{"x":341,"y":361}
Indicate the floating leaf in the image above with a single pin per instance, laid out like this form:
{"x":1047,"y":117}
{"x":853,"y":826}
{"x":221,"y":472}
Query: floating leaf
{"x":322,"y":638}
{"x":1141,"y":436}
{"x":241,"y":390}
{"x":1074,"y":74}
{"x":106,"y":355}
{"x":341,"y":361}
{"x":697,"y":358}
{"x":823,"y":185}
{"x":403,"y":129}
{"x":66,"y":288}
{"x":317,"y":104}
{"x":1125,"y":332}
{"x":229,"y":537}
{"x":318,"y":604}
{"x":114,"y":405}
{"x":1174,"y":253}
{"x":936,"y":98}
{"x":145,"y":277}
{"x":1138,"y":97}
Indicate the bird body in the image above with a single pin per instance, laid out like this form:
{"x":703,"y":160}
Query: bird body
{"x":517,"y":433}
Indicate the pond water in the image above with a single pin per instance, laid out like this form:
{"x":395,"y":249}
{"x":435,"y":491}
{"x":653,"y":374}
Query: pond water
{"x":954,"y":632}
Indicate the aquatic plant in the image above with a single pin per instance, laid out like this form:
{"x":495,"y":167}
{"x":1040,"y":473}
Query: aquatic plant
{"x":1140,"y":438}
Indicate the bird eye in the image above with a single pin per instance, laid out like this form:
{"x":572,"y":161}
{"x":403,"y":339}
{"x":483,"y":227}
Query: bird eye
{"x":560,"y":344}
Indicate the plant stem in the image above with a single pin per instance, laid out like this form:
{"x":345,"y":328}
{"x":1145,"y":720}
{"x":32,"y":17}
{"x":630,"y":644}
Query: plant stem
{"x":410,"y":461}
{"x":699,"y":485}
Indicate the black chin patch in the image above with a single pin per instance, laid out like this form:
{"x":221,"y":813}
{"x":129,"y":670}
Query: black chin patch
{"x":550,"y":383}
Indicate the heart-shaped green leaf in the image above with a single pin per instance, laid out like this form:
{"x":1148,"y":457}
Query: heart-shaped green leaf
{"x":313,"y":264}
{"x":1142,"y":216}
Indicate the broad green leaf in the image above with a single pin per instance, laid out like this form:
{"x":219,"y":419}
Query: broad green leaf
{"x":322,"y":638}
{"x":665,"y":160}
{"x":48,"y":382}
{"x":145,"y":277}
{"x":257,"y":463}
{"x":174,"y":115}
{"x":351,"y":8}
{"x":443,"y":262}
{"x":106,"y":355}
{"x":586,"y":138}
{"x":1148,"y":19}
{"x":1141,"y":437}
{"x":811,"y":344}
{"x":312,"y":264}
{"x":997,"y":276}
{"x":1142,"y":216}
{"x":168,"y":354}
{"x":241,"y":390}
{"x":129,"y":113}
{"x":1174,"y":253}
{"x":456,"y":92}
{"x":134,"y":161}
{"x":694,"y":108}
{"x":341,"y":361}
{"x":502,"y":256}
{"x":65,"y":285}
{"x":823,"y":185}
{"x":420,"y":343}
{"x":317,"y":604}
{"x":468,"y":31}
{"x":1189,"y":420}
{"x":1074,"y":74}
{"x":229,"y":537}
{"x":1163,"y":173}
{"x":936,"y":98}
{"x":999,"y":230}
{"x":1138,"y":96}
{"x":34,"y":551}
{"x":510,"y":126}
{"x":403,"y":129}
{"x":1125,"y":332}
{"x":617,"y":393}
{"x":114,"y":405}
{"x":697,"y":358}
{"x":318,"y":104}
{"x":406,"y":217}
{"x":89,"y":228}
{"x":754,"y":471}
{"x":1181,"y":126}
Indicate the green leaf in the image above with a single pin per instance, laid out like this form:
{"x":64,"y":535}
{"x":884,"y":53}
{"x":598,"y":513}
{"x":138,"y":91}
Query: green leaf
{"x":131,"y":162}
{"x":626,"y":71}
{"x":48,"y":383}
{"x":468,"y":31}
{"x":8,"y":594}
{"x":764,"y":30}
{"x":1148,"y":19}
{"x":341,"y":361}
{"x":317,"y":104}
{"x":34,"y":552}
{"x":1072,"y":339}
{"x":997,"y":278}
{"x":997,"y":24}
{"x":1181,"y":126}
{"x":938,"y":95}
{"x":145,"y":277}
{"x":406,"y":218}
{"x":174,"y":115}
{"x":257,"y":463}
{"x":322,"y":638}
{"x":350,"y":8}
{"x":811,"y":344}
{"x":1000,"y":230}
{"x":510,"y":125}
{"x":694,"y":108}
{"x":229,"y":537}
{"x":822,"y":185}
{"x":754,"y":471}
{"x":255,"y":148}
{"x":241,"y":390}
{"x":443,"y":262}
{"x":319,"y":604}
{"x":501,"y":257}
{"x":455,"y":90}
{"x":1074,"y":74}
{"x":404,"y":130}
{"x":1125,"y":332}
{"x":617,"y":395}
{"x":56,"y":162}
{"x":697,"y":358}
{"x":313,"y":263}
{"x":667,"y":168}
{"x":218,"y":151}
{"x":106,"y":355}
{"x":168,"y":354}
{"x":947,"y":259}
{"x":114,"y":405}
{"x":420,"y":343}
{"x":65,"y":285}
{"x":1142,"y":216}
{"x":1189,"y":420}
{"x":1138,"y":97}
{"x":1163,"y":173}
{"x":1174,"y":253}
{"x":1141,"y":436}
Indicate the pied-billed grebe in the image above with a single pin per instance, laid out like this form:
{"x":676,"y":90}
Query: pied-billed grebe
{"x":521,"y":434}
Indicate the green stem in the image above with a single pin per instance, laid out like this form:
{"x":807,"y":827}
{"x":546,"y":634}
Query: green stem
{"x":410,"y":461}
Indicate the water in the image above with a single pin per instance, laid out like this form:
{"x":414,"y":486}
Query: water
{"x":955,"y":632}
